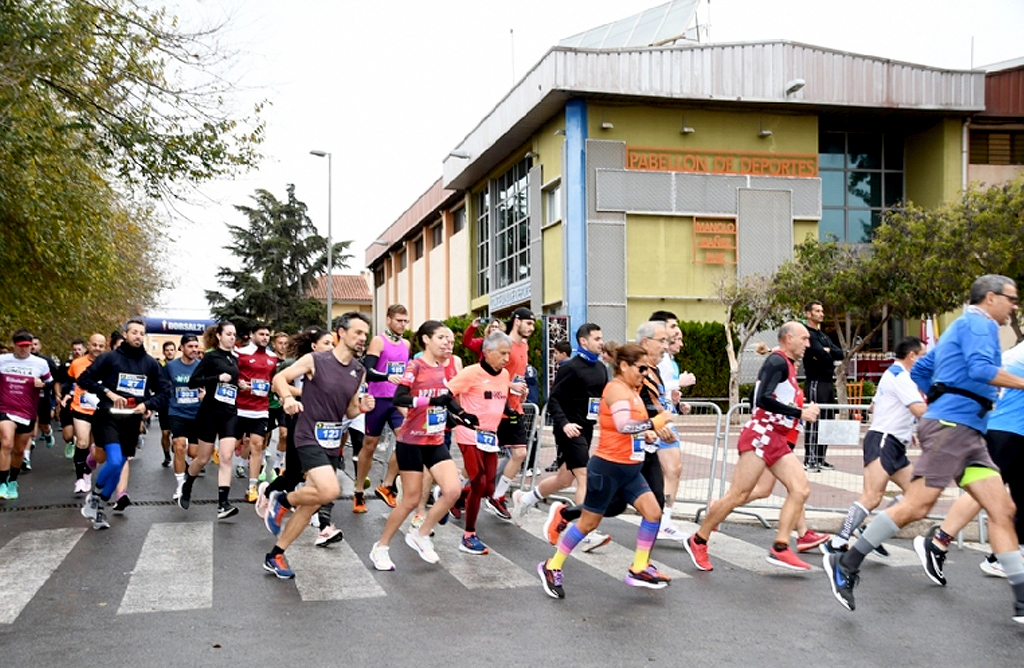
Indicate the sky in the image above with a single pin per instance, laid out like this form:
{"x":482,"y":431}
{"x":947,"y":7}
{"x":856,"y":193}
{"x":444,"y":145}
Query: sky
{"x":389,"y":88}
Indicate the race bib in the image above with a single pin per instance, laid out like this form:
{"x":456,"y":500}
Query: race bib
{"x":437,"y":418}
{"x":639,"y":448}
{"x":396,"y":368}
{"x":89,"y":400}
{"x":186,"y":396}
{"x":260,"y":388}
{"x":486,"y":441}
{"x":328,"y":434}
{"x":593,"y":408}
{"x":131,"y":383}
{"x":226,"y":393}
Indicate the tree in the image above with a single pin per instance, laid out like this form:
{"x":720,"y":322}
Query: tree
{"x":280,"y":256}
{"x":751,"y":305}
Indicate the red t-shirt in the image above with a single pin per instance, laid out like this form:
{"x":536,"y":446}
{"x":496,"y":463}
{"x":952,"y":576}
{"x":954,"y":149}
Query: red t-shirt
{"x":424,"y":425}
{"x":518,"y":359}
{"x":255,"y":365}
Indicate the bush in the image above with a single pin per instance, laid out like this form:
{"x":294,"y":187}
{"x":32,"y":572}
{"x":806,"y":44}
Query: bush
{"x":703,"y":354}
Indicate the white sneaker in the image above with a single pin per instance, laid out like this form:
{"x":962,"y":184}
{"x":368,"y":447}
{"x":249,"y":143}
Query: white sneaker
{"x":87,"y":481}
{"x":518,"y":508}
{"x":423,"y":546}
{"x":91,"y":506}
{"x":329,"y":534}
{"x":80,"y":486}
{"x":993,"y":568}
{"x":262,"y":502}
{"x":380,"y":556}
{"x":594,"y":540}
{"x":669,"y":531}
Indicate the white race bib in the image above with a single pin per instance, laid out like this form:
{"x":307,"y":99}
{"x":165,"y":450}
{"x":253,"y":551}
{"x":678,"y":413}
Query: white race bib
{"x":486,"y":441}
{"x":89,"y":400}
{"x":131,"y":383}
{"x":260,"y":388}
{"x":639,"y":448}
{"x":226,"y":393}
{"x":593,"y":408}
{"x":396,"y":368}
{"x":437,"y":419}
{"x":328,"y":434}
{"x":186,"y":396}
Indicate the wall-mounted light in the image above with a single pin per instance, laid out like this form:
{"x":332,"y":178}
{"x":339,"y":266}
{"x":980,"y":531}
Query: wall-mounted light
{"x":461,"y":155}
{"x":531,"y":155}
{"x":764,"y":132}
{"x":378,"y":242}
{"x":560,"y":132}
{"x":685,"y":129}
{"x":795,"y":85}
{"x":605,"y":125}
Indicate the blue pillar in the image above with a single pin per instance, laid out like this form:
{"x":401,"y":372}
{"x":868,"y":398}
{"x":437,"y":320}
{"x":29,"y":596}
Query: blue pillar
{"x":575,"y":183}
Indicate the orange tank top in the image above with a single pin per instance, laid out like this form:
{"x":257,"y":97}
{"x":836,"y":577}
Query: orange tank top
{"x":614,"y":446}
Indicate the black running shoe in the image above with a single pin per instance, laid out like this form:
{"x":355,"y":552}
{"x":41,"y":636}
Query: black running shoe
{"x":226,"y":510}
{"x":551,"y":579}
{"x":122,"y":502}
{"x":932,"y":558}
{"x":167,"y":460}
{"x":841,"y":579}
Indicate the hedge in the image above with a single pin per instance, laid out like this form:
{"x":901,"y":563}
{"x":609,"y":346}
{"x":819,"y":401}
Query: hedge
{"x":703,"y":354}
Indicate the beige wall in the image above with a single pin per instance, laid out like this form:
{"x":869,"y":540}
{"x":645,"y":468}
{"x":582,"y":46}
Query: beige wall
{"x":457,"y":282}
{"x":993,"y":175}
{"x":437,"y":283}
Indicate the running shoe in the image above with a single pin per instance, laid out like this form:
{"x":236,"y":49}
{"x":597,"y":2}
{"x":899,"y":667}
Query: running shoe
{"x":261,"y":500}
{"x":167,"y":460}
{"x":423,"y":546}
{"x":240,"y":472}
{"x":80,"y":486}
{"x":122,"y":502}
{"x":1018,"y":612}
{"x":278,"y":565}
{"x":417,"y":521}
{"x":880,"y":550}
{"x":551,"y":579}
{"x":275,"y":513}
{"x":251,"y":494}
{"x":328,"y":536}
{"x":12,"y":490}
{"x":698,"y":553}
{"x":811,"y":540}
{"x":555,"y":525}
{"x":828,"y":548}
{"x":669,"y":531}
{"x":3,"y":490}
{"x":100,"y":521}
{"x":91,"y":506}
{"x":185,"y":498}
{"x":358,"y":503}
{"x":26,"y":464}
{"x":380,"y":557}
{"x":386,"y":494}
{"x":594,"y":540}
{"x":841,"y":579}
{"x":473,"y":545}
{"x":48,"y":440}
{"x":650,"y":578}
{"x":932,"y":558}
{"x":518,"y":509}
{"x":87,"y":481}
{"x":226,"y":510}
{"x":786,"y":559}
{"x":455,"y":512}
{"x":497,"y":508}
{"x":176,"y":496}
{"x":991,"y":566}
{"x":69,"y":450}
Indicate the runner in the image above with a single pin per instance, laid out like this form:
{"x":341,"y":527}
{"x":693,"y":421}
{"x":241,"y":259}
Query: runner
{"x":420,"y":443}
{"x":275,"y":416}
{"x":573,"y":406}
{"x":170,"y":351}
{"x":256,"y":366}
{"x":83,"y":407}
{"x":763,"y":444}
{"x":128,"y":383}
{"x":22,"y":375}
{"x":217,"y":418}
{"x":47,"y":401}
{"x":961,"y":375}
{"x":183,"y":407}
{"x":626,"y":433}
{"x":512,"y":432}
{"x":330,"y":393}
{"x":894,"y":409}
{"x":64,"y":388}
{"x":386,"y":357}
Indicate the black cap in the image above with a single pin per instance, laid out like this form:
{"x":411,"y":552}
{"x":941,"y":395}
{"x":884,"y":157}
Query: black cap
{"x":523,"y":313}
{"x":187,"y":338}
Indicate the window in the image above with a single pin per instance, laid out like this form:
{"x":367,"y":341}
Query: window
{"x":553,"y":205}
{"x":437,"y":235}
{"x":483,"y":243}
{"x":512,"y":225}
{"x":459,"y":223}
{"x":996,"y":148}
{"x":378,"y":276}
{"x":861,"y":176}
{"x":400,"y":259}
{"x":417,"y":248}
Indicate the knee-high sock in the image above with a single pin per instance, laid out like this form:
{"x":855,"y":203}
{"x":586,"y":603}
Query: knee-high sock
{"x":880,"y":530}
{"x":569,"y":540}
{"x":110,"y":474}
{"x":854,"y":517}
{"x":644,"y":542}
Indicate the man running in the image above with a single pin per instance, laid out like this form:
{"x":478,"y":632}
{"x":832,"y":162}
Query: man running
{"x":83,"y":407}
{"x":64,"y":387}
{"x":386,"y":357}
{"x":764,"y":444}
{"x":182,"y":407}
{"x":22,"y":375}
{"x":170,"y":351}
{"x":46,"y":400}
{"x":256,"y":366}
{"x":330,"y":393}
{"x":961,"y":375}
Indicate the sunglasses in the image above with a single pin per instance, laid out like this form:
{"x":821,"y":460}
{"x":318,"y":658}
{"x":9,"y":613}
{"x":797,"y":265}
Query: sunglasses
{"x":642,"y":368}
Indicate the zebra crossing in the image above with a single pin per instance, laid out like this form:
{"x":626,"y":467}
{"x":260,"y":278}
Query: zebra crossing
{"x":174,"y":570}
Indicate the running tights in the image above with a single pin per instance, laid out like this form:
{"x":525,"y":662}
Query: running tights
{"x":482,"y":468}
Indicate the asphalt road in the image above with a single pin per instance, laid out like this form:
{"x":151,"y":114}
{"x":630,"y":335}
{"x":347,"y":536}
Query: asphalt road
{"x":166,"y":587}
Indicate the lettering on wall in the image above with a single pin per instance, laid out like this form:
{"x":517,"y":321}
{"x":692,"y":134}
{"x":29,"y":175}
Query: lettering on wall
{"x":802,"y":165}
{"x":714,"y":241}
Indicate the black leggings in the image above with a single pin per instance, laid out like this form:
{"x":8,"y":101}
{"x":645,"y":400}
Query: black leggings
{"x":1007,"y":450}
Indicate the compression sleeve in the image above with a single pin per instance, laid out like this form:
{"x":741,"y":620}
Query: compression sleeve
{"x":372,"y":375}
{"x":622,"y":414}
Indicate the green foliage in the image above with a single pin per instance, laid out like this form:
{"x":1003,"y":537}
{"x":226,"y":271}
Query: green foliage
{"x":280,"y":255}
{"x":704,"y":355}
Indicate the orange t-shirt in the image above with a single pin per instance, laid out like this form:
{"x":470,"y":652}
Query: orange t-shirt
{"x":481,"y":394}
{"x":83,"y":402}
{"x":614,"y":446}
{"x":518,"y":358}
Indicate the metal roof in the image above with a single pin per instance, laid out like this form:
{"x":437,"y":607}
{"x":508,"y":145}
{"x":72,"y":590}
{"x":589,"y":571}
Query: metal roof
{"x":657,"y":25}
{"x":745,"y":74}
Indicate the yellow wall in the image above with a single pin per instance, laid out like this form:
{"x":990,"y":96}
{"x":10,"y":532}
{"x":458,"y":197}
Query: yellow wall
{"x":933,"y":163}
{"x":548,"y":147}
{"x":552,"y":245}
{"x":803,"y":229}
{"x":713,"y":129}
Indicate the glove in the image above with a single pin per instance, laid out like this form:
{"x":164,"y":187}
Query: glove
{"x":466,"y":419}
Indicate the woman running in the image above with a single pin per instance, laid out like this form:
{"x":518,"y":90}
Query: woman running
{"x":217,"y":418}
{"x":420,"y":443}
{"x":615,"y":469}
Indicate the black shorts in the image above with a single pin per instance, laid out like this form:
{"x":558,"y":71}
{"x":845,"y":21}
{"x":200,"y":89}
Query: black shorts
{"x":66,"y":417}
{"x":891,"y":453}
{"x":209,"y":426}
{"x":84,"y":417}
{"x":275,"y":419}
{"x":182,"y":428}
{"x":123,"y":429}
{"x":44,"y":411}
{"x":164,"y":419}
{"x":312,"y":456}
{"x":19,"y":428}
{"x":414,"y":457}
{"x":573,"y":452}
{"x":607,"y":480}
{"x":251,"y":426}
{"x":512,"y":431}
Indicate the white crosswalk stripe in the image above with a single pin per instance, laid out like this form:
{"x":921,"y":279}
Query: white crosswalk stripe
{"x":174,"y":571}
{"x":332,"y":573}
{"x":28,"y":562}
{"x":489,"y":571}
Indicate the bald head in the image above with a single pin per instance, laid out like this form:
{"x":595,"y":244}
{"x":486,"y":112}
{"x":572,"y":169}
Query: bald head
{"x":794,"y":339}
{"x":97,"y":345}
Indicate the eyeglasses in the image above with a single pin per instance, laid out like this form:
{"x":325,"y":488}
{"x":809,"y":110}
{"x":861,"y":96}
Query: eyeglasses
{"x":1013,"y":298}
{"x":663,"y":339}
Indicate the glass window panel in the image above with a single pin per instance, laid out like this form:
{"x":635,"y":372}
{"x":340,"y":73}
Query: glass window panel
{"x":865,"y":151}
{"x":864,"y":189}
{"x":861,"y":224}
{"x":833,"y":188}
{"x":893,"y":188}
{"x":894,"y":151}
{"x":831,"y":148}
{"x":832,"y":224}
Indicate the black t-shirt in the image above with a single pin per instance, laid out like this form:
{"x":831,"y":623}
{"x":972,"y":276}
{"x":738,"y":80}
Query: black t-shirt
{"x":819,"y":364}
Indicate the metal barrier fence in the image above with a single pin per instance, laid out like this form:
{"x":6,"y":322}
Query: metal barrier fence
{"x":833,"y":489}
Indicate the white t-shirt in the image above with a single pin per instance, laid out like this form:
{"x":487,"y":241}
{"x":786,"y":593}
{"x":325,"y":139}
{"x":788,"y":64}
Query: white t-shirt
{"x":896,"y":391}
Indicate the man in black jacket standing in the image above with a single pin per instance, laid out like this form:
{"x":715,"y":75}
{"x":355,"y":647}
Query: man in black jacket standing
{"x":819,"y":383}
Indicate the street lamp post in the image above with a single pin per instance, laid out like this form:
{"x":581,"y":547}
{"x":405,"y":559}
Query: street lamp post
{"x":330,"y":242}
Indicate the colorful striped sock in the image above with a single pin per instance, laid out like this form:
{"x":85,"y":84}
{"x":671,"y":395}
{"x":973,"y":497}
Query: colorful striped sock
{"x":644,"y":542}
{"x":569,"y":540}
